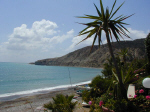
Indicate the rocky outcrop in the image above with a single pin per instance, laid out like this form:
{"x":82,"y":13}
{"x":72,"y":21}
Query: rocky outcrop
{"x":97,"y":57}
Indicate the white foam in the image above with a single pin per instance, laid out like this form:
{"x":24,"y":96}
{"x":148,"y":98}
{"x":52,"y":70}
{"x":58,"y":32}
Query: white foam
{"x":38,"y":91}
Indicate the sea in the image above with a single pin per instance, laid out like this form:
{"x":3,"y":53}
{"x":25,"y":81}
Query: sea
{"x":21,"y":79}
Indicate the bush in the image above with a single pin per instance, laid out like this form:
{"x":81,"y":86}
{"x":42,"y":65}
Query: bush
{"x":142,"y":100}
{"x":86,"y":96}
{"x":120,"y":106}
{"x":61,"y":103}
{"x":100,"y":84}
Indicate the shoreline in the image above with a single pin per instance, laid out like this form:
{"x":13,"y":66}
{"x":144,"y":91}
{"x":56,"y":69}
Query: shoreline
{"x":30,"y":103}
{"x":23,"y":103}
{"x":27,"y":93}
{"x":67,"y":66}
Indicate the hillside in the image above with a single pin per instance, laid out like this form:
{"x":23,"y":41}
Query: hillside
{"x":83,"y":57}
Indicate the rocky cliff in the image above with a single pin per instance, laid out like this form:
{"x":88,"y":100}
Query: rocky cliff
{"x":97,"y":57}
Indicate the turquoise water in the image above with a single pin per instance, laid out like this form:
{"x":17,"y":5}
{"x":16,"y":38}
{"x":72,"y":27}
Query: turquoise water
{"x":19,"y":79}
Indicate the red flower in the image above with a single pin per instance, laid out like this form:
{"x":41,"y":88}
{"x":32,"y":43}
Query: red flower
{"x":90,"y":102}
{"x":101,"y":103}
{"x":141,"y":91}
{"x":135,"y":96}
{"x":148,"y":97}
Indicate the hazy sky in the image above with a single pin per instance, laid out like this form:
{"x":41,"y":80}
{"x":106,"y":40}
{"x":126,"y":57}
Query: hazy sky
{"x":37,"y":29}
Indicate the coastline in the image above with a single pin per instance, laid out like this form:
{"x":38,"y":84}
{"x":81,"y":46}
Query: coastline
{"x":28,"y":93}
{"x":32,"y":103}
{"x":68,"y":66}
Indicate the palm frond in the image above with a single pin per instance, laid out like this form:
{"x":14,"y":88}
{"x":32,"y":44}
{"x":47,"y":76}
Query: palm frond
{"x":84,"y":30}
{"x":99,"y":13}
{"x":89,"y":17}
{"x":116,"y":10}
{"x":125,"y":17}
{"x":93,"y":41}
{"x":123,"y":32}
{"x":107,"y":13}
{"x":103,"y":22}
{"x":112,"y":27}
{"x":91,"y":32}
{"x":117,"y":17}
{"x":102,"y":10}
{"x":113,"y":7}
{"x":110,"y":34}
{"x":116,"y":77}
{"x":99,"y":37}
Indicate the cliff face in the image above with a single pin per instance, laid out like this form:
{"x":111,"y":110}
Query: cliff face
{"x":83,"y":57}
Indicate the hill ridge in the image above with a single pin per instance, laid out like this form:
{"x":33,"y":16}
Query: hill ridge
{"x":83,"y":58}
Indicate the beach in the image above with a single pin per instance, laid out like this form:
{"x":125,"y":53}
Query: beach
{"x":26,"y":88}
{"x":34,"y":103}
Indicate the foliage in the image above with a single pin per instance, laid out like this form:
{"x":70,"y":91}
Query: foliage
{"x":130,"y":73}
{"x":147,"y":46}
{"x":124,"y":54}
{"x":139,"y":63}
{"x":127,"y":77}
{"x":86,"y":95}
{"x":107,"y":100}
{"x":107,"y":71}
{"x":141,"y":67}
{"x":141,"y":100}
{"x":99,"y":86}
{"x":99,"y":83}
{"x":104,"y":22}
{"x":61,"y":103}
{"x":104,"y":97}
{"x":120,"y":105}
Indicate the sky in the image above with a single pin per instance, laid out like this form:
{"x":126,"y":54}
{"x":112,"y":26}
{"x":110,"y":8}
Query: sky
{"x":31,"y":30}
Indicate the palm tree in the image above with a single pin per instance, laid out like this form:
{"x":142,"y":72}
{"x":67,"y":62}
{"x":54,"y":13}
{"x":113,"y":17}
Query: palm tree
{"x":104,"y":22}
{"x":61,"y":103}
{"x":123,"y":53}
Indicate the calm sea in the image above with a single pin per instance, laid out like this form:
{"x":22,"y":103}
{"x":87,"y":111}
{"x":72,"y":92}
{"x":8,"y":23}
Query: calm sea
{"x":19,"y":79}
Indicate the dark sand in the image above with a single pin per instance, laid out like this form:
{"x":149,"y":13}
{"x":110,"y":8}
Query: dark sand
{"x":33,"y":103}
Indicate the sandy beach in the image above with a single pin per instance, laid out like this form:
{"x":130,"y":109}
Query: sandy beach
{"x":35,"y":102}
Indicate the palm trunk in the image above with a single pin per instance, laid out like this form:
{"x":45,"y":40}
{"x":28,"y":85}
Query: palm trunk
{"x":123,"y":90}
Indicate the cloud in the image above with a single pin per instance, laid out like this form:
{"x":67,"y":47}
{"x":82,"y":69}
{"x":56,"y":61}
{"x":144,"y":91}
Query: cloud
{"x":40,"y":35}
{"x":134,"y":34}
{"x":137,"y":34}
{"x":41,"y":40}
{"x":45,"y":40}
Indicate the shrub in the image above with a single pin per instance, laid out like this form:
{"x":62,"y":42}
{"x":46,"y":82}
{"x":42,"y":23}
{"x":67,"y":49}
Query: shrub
{"x":120,"y":106}
{"x":61,"y":103}
{"x":100,"y":84}
{"x":141,"y":100}
{"x":147,"y":46}
{"x":86,"y":95}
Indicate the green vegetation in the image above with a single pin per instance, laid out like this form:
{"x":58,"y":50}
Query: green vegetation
{"x":104,"y":22}
{"x":99,"y":86}
{"x":147,"y":45}
{"x":61,"y":103}
{"x":109,"y":91}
